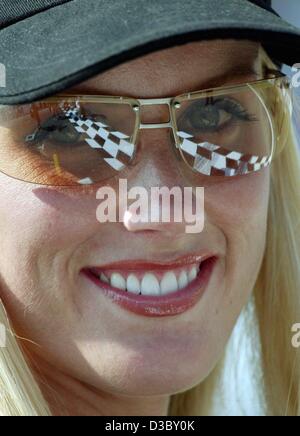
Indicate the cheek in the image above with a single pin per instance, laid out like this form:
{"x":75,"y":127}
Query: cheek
{"x":239,"y":210}
{"x":40,"y":230}
{"x":238,"y":204}
{"x":44,"y":220}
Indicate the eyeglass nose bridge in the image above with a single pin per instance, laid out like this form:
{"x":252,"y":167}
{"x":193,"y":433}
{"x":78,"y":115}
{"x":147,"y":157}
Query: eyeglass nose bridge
{"x":153,"y":102}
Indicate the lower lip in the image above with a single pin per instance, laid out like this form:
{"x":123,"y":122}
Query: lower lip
{"x":153,"y":306}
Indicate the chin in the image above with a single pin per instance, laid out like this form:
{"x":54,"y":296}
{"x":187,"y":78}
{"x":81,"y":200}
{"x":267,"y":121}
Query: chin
{"x":158,"y":383}
{"x":139,"y":376}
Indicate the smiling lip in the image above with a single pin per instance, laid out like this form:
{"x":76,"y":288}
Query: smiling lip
{"x":150,"y":305}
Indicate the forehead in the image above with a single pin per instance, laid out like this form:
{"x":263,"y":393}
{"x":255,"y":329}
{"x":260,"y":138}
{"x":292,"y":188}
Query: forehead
{"x":174,"y":70}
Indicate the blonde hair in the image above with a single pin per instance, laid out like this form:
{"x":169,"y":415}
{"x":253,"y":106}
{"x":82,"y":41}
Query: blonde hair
{"x":276,"y":302}
{"x":19,"y":392}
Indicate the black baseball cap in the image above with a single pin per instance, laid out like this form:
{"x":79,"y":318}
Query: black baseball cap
{"x":47,"y":46}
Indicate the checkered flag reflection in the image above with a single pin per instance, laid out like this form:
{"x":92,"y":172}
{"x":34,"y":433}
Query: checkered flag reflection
{"x":204,"y":157}
{"x":210,"y":159}
{"x":100,"y":136}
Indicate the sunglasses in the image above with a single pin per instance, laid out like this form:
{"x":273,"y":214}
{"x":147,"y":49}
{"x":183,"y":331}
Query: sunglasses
{"x":68,"y":140}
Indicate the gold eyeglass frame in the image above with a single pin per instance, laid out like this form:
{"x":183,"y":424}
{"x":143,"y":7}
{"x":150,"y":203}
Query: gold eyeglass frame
{"x":174,"y":104}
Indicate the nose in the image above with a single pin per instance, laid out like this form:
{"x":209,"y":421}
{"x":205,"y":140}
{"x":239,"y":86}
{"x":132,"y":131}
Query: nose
{"x":157,"y":189}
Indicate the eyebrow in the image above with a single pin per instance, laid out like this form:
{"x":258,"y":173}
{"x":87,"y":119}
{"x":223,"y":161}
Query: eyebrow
{"x":235,"y":75}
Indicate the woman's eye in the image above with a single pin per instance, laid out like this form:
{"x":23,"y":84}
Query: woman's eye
{"x":212,"y":115}
{"x":58,"y":129}
{"x":208,"y":117}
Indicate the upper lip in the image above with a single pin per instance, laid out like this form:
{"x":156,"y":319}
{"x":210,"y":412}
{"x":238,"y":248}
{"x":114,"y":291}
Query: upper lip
{"x":144,"y":265}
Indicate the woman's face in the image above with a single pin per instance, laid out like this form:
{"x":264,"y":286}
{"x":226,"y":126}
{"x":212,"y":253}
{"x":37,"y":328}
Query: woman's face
{"x":49,"y":235}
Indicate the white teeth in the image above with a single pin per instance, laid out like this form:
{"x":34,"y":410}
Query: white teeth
{"x":133,"y":284}
{"x":104,"y":278}
{"x":183,"y":280}
{"x":150,"y":285}
{"x":169,"y":283}
{"x":192,"y":274}
{"x":118,"y":281}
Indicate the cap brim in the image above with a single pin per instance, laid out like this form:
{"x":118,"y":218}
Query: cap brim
{"x":69,"y":43}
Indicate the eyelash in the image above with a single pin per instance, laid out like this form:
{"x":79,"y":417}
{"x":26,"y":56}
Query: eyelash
{"x":228,"y":105}
{"x":237,"y":109}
